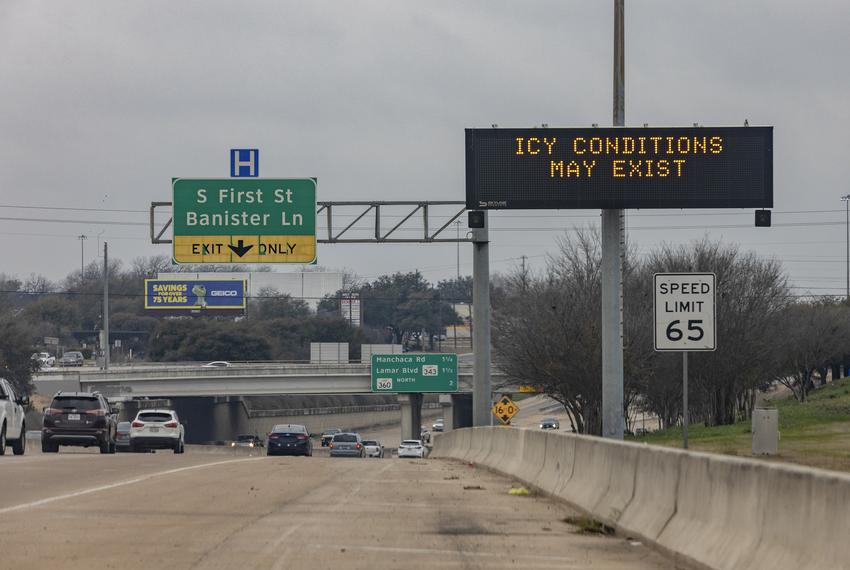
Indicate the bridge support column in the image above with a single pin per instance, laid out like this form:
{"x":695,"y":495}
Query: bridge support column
{"x":411,"y":415}
{"x":448,"y":412}
{"x":128,"y":411}
{"x":228,"y":417}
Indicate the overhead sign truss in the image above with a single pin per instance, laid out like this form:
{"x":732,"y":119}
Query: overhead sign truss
{"x":421,"y":221}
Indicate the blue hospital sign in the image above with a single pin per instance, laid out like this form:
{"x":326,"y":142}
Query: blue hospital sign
{"x":244,"y":162}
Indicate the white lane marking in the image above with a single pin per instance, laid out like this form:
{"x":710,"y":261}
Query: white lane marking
{"x":41,"y":502}
{"x":282,"y":559}
{"x":439,"y":552}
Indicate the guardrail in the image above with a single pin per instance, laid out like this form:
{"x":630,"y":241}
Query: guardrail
{"x":714,"y":511}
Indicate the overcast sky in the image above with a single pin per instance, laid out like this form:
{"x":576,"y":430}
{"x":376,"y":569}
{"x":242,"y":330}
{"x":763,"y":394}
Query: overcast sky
{"x":103,"y":102}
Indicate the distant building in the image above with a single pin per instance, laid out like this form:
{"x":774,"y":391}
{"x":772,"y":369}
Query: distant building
{"x":311,"y":286}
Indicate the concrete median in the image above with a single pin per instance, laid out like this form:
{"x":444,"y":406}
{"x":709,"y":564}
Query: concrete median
{"x":715,"y":511}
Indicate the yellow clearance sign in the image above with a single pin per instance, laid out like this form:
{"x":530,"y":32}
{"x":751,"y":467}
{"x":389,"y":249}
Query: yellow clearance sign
{"x":505,"y":409}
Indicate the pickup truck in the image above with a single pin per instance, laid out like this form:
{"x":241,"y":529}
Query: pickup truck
{"x":12,"y":425}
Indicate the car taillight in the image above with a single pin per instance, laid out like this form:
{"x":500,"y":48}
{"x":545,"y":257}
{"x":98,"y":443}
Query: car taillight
{"x":301,"y":437}
{"x":358,"y":446}
{"x":96,"y":412}
{"x":273,"y":436}
{"x":171,"y":425}
{"x":331,"y":445}
{"x":137,"y":424}
{"x":52,"y":411}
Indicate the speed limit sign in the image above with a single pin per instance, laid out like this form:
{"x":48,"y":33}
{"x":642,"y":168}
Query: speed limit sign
{"x":685,"y":312}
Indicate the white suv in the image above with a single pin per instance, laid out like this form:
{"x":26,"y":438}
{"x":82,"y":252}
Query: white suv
{"x":156,"y":429}
{"x":411,"y":448}
{"x":12,"y":426}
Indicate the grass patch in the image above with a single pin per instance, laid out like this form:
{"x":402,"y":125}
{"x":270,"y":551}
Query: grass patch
{"x":815,"y":433}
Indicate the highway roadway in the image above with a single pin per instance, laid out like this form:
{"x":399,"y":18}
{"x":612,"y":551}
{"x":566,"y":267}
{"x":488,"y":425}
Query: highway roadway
{"x":79,"y":509}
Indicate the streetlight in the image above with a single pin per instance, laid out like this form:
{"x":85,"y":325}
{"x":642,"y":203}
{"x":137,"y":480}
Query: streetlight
{"x":846,"y":200}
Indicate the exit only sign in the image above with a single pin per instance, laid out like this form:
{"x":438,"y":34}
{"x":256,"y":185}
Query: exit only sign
{"x":244,"y":220}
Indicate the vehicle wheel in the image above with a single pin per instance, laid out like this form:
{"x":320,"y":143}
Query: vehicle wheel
{"x":3,"y":440}
{"x":112,"y":447}
{"x":104,"y":447}
{"x":179,"y":448}
{"x":19,"y":446}
{"x":47,"y":447}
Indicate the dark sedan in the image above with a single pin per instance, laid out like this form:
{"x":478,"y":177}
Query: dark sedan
{"x":289,"y":439}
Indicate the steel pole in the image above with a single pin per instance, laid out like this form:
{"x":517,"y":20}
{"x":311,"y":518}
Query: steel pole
{"x":481,"y":389}
{"x":847,"y":248}
{"x":105,"y":306}
{"x":613,"y":247}
{"x":685,"y":418}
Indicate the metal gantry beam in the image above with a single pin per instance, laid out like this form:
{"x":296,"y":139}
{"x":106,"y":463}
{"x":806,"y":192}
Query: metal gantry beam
{"x":422,"y":221}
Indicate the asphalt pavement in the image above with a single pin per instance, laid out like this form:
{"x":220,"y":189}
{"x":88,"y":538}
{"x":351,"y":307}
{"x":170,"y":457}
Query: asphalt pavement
{"x":226,"y":509}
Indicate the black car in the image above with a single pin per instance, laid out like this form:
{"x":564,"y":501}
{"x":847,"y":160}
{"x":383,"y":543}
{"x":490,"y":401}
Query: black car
{"x":289,"y":439}
{"x":81,"y":419}
{"x":550,"y":423}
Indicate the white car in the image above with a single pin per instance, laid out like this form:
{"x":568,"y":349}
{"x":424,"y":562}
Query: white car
{"x":217,"y":364}
{"x":373,"y":448}
{"x":44,"y":359}
{"x":12,"y":426}
{"x":157,"y":429}
{"x":411,"y":448}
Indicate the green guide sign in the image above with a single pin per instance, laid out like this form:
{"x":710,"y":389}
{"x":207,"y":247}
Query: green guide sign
{"x":414,"y":373}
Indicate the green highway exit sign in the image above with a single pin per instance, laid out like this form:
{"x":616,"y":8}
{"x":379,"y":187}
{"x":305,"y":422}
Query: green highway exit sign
{"x":414,"y":373}
{"x":244,"y":220}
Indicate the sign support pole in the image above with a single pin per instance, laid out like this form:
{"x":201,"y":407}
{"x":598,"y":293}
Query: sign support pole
{"x":105,"y":307}
{"x":481,"y":390}
{"x":613,"y":244}
{"x":685,"y":419}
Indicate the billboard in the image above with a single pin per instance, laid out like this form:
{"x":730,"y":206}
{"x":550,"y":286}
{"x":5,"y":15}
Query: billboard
{"x":195,"y":295}
{"x":619,"y":167}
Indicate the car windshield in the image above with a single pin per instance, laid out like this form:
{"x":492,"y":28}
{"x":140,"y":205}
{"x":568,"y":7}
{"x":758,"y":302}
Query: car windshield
{"x":412,"y":443}
{"x":330,"y":431}
{"x":375,"y":443}
{"x":155,"y":416}
{"x":289,"y":429}
{"x":74,"y":354}
{"x":345,"y":438}
{"x":245,"y":438}
{"x":76,"y":403}
{"x":123,"y":426}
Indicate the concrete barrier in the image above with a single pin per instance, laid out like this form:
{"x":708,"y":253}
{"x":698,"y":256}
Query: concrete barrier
{"x":718,"y":512}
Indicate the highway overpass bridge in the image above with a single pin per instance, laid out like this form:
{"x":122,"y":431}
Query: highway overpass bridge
{"x":210,"y":395}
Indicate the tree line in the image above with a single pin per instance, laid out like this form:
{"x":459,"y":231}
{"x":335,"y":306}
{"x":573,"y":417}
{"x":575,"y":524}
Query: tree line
{"x":547,"y":333}
{"x":398,"y":308}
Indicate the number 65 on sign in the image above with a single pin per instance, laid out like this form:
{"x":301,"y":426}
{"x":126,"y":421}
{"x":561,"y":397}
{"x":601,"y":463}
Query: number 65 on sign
{"x":685,"y":311}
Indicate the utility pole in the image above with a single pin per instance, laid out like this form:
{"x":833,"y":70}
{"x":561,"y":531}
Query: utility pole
{"x":613,"y":248}
{"x":82,"y":238}
{"x":455,"y":301}
{"x":105,"y":307}
{"x":846,"y":200}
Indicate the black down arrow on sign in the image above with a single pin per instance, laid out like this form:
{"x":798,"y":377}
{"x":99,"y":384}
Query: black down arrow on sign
{"x":240,"y":248}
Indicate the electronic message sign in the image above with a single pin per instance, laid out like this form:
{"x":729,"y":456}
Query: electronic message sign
{"x":244,"y":220}
{"x":195,"y":295}
{"x":619,"y":167}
